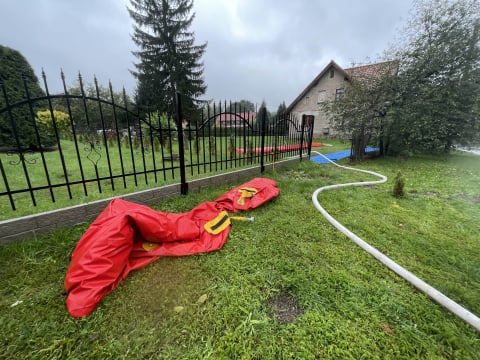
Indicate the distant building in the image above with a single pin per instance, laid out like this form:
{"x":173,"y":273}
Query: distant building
{"x":235,"y":119}
{"x":329,"y":85}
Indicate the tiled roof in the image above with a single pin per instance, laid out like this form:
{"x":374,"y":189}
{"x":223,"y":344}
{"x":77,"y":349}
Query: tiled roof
{"x":373,"y":71}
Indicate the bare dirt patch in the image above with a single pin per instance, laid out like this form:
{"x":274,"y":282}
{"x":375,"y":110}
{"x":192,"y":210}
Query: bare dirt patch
{"x":285,"y":308}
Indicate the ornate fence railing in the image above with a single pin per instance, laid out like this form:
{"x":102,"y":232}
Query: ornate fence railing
{"x":90,"y":142}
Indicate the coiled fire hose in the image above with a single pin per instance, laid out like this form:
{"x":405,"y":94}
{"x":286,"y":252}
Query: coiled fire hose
{"x":436,"y":295}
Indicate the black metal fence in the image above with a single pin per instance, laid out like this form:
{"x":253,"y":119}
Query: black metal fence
{"x":90,"y":140}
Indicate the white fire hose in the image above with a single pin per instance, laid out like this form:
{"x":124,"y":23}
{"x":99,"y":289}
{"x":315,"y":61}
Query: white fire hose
{"x":436,"y":295}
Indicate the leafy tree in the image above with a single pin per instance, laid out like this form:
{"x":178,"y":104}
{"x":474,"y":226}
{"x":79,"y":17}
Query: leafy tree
{"x":433,"y":103}
{"x":159,"y":126}
{"x":241,"y":106}
{"x":14,"y":70}
{"x":169,"y":61}
{"x":94,"y":94}
{"x":439,"y":79}
{"x":361,"y":112}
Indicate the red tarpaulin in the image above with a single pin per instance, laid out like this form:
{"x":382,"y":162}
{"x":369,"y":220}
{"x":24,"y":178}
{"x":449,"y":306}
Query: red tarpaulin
{"x":128,"y":236}
{"x":279,"y":148}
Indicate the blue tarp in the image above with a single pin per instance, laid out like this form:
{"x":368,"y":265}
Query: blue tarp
{"x":337,"y":155}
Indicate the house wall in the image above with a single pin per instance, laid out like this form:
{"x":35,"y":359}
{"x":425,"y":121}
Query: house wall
{"x":309,"y":104}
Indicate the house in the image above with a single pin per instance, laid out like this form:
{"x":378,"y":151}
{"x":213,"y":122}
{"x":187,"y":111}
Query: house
{"x":330,"y":84}
{"x":235,"y":119}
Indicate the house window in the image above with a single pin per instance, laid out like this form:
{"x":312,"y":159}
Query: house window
{"x":322,"y":95}
{"x":339,"y":94}
{"x":332,"y":73}
{"x":306,"y":100}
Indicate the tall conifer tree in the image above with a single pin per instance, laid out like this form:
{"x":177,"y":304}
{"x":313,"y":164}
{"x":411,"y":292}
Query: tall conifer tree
{"x":169,"y":61}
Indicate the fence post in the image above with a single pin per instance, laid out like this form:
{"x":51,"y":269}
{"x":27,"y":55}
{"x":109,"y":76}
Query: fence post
{"x":263,"y":120}
{"x":181,"y":150}
{"x":310,"y":135}
{"x":307,"y":123}
{"x":302,"y":131}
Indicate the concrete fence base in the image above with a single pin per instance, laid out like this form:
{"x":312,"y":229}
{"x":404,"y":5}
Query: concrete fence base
{"x":31,"y":226}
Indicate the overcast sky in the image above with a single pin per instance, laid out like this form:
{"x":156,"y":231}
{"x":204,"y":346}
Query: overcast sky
{"x":257,"y":49}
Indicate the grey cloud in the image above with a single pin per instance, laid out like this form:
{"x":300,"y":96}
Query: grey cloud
{"x":270,"y":51}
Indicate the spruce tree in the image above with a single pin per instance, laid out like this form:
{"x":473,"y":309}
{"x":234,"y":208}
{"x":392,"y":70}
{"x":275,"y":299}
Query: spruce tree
{"x":282,"y":109}
{"x":169,"y":61}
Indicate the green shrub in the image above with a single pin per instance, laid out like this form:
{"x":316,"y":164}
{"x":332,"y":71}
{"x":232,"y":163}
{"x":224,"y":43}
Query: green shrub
{"x":398,"y":186}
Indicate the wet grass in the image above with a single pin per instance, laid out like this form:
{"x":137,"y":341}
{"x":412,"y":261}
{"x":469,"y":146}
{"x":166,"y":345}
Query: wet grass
{"x":288,"y":286}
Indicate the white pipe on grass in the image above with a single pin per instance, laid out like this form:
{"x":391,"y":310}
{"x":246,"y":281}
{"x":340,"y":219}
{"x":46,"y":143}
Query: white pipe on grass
{"x":421,"y":285}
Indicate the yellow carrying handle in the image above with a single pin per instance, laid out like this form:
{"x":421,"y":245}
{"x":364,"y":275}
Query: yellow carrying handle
{"x":217,"y":225}
{"x":246,"y":193}
{"x":222,"y":221}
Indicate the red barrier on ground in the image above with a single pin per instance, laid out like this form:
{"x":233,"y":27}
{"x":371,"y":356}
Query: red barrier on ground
{"x":280,"y":148}
{"x":248,"y":196}
{"x":128,"y":236}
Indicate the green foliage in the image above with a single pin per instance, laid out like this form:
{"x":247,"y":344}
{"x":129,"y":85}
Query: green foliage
{"x":160,"y":126}
{"x":168,"y":146}
{"x":398,"y":185}
{"x":241,"y":106}
{"x":111,"y":140}
{"x":92,"y":97}
{"x":263,"y":107}
{"x":16,"y":74}
{"x":169,"y":61}
{"x":197,"y":146}
{"x":62,"y":122}
{"x":156,"y":120}
{"x":156,"y":144}
{"x":136,"y":143}
{"x":434,"y":102}
{"x":438,"y":93}
{"x":126,"y":142}
{"x":282,"y":109}
{"x":212,"y":145}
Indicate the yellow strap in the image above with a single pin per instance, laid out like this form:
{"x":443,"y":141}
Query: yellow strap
{"x":148,"y":246}
{"x":246,"y":193}
{"x":217,"y":225}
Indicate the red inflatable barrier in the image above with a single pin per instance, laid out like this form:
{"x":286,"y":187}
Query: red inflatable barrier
{"x":248,"y":196}
{"x":279,"y":148}
{"x":127,"y":236}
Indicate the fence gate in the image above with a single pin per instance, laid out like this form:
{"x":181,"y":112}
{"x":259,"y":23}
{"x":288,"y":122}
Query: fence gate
{"x":90,"y":142}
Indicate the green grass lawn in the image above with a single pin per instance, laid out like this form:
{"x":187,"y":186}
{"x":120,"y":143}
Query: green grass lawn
{"x":288,"y":286}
